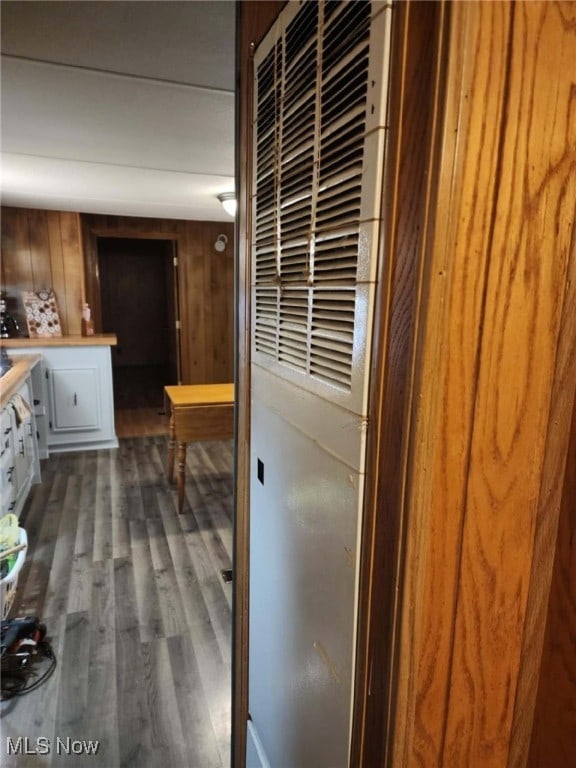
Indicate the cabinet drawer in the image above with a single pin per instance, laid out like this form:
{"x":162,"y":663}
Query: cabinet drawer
{"x":75,"y":399}
{"x":7,"y":482}
{"x":5,"y":431}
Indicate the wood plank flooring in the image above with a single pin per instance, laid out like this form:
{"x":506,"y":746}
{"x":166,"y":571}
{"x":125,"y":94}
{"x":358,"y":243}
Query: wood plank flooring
{"x":137,"y":611}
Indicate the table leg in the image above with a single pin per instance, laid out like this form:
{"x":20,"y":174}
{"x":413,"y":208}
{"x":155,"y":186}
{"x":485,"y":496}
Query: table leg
{"x":171,"y":446}
{"x":181,"y":475}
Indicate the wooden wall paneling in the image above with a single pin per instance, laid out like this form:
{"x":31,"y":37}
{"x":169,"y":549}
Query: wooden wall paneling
{"x":185,"y":307}
{"x":181,"y":297}
{"x":220,"y":308}
{"x":72,"y":254}
{"x":16,"y":260}
{"x":530,"y":251}
{"x":229,"y":342}
{"x":40,"y":250}
{"x":253,"y":21}
{"x":558,"y":45}
{"x":183,"y":303}
{"x":91,"y":275}
{"x":554,"y":726}
{"x":210,"y":284}
{"x":498,"y":343}
{"x":195,"y":335}
{"x":59,"y":249}
{"x":57,"y":265}
{"x":548,"y":535}
{"x":16,"y":266}
{"x":467,"y":166}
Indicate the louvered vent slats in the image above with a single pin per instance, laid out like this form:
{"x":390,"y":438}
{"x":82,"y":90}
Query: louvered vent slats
{"x":310,"y":129}
{"x":266,"y":320}
{"x":335,"y":256}
{"x":294,"y":261}
{"x":292,"y":340}
{"x":349,"y":23}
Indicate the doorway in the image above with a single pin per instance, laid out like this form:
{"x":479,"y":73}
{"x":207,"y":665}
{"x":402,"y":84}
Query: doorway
{"x":138,"y":296}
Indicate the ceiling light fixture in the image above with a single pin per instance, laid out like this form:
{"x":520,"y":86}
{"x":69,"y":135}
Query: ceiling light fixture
{"x":228,"y":200}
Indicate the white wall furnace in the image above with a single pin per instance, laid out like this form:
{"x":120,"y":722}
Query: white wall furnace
{"x":319,"y":143}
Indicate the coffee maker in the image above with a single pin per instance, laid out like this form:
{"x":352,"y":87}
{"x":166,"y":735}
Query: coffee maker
{"x":8,"y":325}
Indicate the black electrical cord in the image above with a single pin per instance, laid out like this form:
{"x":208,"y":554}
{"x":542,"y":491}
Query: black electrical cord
{"x":14,"y":675}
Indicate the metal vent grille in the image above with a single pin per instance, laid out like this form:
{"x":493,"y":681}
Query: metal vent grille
{"x":310,"y":157}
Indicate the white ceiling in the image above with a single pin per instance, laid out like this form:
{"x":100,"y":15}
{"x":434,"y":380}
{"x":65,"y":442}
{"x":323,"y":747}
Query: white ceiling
{"x":118,"y":107}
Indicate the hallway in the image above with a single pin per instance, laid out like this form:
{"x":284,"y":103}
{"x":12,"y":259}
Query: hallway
{"x":136,"y":608}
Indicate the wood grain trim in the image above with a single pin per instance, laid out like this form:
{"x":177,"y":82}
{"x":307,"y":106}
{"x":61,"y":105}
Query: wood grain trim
{"x":135,"y":233}
{"x":526,"y":287}
{"x":550,"y":500}
{"x":448,"y":355}
{"x":552,"y":732}
{"x":91,"y":231}
{"x":501,"y":262}
{"x":417,"y":64}
{"x":205,"y":287}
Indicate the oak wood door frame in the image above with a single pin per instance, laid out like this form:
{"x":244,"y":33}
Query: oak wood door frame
{"x":418,"y":62}
{"x":92,"y":276}
{"x":489,"y":439}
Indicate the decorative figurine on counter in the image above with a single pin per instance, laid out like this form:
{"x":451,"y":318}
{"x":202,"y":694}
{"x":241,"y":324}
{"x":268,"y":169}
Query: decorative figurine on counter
{"x":8,"y":325}
{"x":87,"y":323}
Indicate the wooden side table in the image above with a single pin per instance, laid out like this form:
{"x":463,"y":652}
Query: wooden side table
{"x":197,"y":412}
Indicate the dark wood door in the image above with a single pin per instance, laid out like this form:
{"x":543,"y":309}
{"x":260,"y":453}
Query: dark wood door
{"x":138,"y":305}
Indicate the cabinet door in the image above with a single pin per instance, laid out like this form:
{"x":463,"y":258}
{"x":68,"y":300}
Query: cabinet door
{"x":75,"y":399}
{"x":7,"y":464}
{"x":7,"y":482}
{"x":23,"y":457}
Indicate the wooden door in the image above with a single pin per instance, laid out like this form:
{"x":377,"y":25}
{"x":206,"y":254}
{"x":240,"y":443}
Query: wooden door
{"x":133,"y":287}
{"x":139,"y":304}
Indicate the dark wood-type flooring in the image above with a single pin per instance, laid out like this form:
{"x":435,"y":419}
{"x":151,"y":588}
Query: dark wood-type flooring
{"x":136,"y":608}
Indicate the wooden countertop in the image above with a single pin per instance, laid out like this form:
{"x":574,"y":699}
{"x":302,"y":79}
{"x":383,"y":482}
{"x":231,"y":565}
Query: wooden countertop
{"x":98,"y":340}
{"x":12,"y":380}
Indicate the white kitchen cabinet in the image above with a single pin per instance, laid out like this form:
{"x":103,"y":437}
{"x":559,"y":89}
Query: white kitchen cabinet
{"x":23,"y":451}
{"x":80,"y":399}
{"x":7,"y":463}
{"x":40,"y":404}
{"x":76,"y":399}
{"x":19,"y":459}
